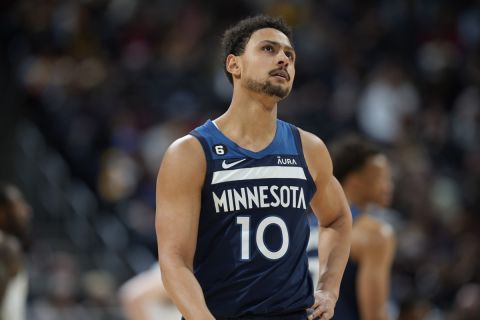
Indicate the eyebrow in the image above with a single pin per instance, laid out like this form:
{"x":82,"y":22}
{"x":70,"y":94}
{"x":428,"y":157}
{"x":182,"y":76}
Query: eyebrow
{"x":275,"y":43}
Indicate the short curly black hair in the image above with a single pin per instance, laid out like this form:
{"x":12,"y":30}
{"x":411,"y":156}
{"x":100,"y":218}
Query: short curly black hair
{"x":350,"y":154}
{"x":236,"y":37}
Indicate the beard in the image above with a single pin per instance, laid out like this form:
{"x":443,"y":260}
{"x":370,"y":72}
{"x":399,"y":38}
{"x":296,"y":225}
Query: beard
{"x":267,"y":88}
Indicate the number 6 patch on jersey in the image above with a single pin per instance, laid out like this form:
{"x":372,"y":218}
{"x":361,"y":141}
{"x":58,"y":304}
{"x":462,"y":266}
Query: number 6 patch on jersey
{"x":220,"y":149}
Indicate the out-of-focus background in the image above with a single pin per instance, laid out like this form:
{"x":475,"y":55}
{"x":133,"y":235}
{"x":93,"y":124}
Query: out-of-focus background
{"x":93,"y":91}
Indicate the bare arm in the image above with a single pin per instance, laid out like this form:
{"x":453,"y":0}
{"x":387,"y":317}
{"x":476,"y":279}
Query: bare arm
{"x":335,"y":225}
{"x":179,"y":186}
{"x":375,"y":256}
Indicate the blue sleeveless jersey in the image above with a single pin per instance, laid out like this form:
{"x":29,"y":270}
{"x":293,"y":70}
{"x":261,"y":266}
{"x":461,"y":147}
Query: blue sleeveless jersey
{"x":347,"y":305}
{"x":250,"y":258}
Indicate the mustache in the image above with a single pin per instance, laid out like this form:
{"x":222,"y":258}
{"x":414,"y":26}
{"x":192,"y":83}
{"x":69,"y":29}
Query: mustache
{"x":280,"y":72}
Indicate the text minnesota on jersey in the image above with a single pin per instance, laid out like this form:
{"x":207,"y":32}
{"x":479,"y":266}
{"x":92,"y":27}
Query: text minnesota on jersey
{"x":259,"y":197}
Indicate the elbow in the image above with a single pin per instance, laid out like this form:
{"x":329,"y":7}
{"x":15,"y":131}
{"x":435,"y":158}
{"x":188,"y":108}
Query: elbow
{"x":170,"y":264}
{"x":165,"y":267}
{"x":343,"y":222}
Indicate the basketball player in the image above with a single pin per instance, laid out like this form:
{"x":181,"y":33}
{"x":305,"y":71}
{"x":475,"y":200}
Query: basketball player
{"x":364,"y":173}
{"x":232,"y":198}
{"x":14,"y":223}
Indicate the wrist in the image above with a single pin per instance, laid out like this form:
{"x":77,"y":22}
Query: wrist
{"x":333,"y":294}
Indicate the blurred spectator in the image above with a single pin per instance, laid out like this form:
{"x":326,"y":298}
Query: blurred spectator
{"x":386,"y":104}
{"x":144,"y":297}
{"x":414,"y":309}
{"x":63,"y":291}
{"x":99,"y":288}
{"x":10,"y":267}
{"x":14,"y":222}
{"x":467,"y":303}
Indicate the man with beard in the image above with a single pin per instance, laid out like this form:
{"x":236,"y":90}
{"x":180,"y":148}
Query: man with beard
{"x":232,"y":197}
{"x":14,"y":221}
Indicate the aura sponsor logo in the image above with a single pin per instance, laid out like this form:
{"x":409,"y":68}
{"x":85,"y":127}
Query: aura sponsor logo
{"x":286,"y":161}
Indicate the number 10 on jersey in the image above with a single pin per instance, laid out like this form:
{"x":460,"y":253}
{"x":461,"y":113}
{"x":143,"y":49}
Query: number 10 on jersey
{"x":244,"y":222}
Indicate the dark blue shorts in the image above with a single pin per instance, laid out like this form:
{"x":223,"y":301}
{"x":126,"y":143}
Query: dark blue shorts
{"x":298,"y":315}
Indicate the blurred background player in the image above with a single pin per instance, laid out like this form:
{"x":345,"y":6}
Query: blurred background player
{"x":14,"y":224}
{"x":364,"y":172}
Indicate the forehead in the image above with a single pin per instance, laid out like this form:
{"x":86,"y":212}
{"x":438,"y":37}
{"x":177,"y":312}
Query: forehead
{"x":377,"y":163}
{"x":269,"y":34}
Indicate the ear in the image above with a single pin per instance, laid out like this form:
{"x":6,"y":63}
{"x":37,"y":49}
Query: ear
{"x":232,"y":65}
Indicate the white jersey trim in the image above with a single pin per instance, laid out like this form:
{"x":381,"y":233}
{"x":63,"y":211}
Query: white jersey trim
{"x":270,"y":172}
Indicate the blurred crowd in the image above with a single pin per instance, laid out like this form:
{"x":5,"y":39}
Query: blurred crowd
{"x":110,"y":83}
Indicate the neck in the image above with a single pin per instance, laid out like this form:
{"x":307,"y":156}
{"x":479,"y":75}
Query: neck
{"x":250,"y":120}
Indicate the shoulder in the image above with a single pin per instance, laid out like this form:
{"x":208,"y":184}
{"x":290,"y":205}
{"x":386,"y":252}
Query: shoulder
{"x":311,"y":141}
{"x":185,"y":154}
{"x":186,"y":145}
{"x":372,"y":238}
{"x":316,"y":155}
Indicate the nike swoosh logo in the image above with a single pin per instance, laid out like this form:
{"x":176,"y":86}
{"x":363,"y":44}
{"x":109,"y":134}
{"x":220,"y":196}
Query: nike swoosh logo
{"x":226,"y":165}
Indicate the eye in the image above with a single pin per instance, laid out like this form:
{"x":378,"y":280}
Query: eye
{"x":268,"y":48}
{"x":290,"y":55}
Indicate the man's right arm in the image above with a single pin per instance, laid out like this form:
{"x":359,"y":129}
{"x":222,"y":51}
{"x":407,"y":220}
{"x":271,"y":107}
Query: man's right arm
{"x":179,"y":184}
{"x":375,"y":249}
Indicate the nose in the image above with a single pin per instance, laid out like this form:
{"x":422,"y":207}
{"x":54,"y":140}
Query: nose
{"x":282,"y":58}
